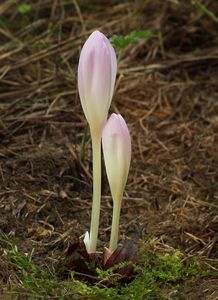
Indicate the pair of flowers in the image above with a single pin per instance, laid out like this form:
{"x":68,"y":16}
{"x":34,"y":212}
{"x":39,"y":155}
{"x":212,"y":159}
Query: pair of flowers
{"x":96,"y":78}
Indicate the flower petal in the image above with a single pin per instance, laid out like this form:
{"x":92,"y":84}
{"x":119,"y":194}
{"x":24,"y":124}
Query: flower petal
{"x":96,"y":78}
{"x":116,"y":144}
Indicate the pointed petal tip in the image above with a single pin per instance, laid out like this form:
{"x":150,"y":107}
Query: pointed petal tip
{"x":86,"y":240}
{"x":106,"y":255}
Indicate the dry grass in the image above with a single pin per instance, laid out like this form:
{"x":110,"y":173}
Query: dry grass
{"x":166,"y":90}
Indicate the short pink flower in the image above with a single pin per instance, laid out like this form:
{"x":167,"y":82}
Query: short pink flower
{"x":116,"y":144}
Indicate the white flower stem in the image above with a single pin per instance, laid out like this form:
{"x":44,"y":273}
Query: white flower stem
{"x":96,"y":165}
{"x":115,"y":224}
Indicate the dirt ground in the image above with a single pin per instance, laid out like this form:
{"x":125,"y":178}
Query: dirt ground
{"x":167,"y":91}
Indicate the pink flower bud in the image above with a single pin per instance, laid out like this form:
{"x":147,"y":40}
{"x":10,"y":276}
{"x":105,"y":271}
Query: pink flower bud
{"x":96,"y":78}
{"x":117,"y":154}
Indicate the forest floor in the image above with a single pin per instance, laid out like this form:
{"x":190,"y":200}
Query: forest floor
{"x":167,"y":91}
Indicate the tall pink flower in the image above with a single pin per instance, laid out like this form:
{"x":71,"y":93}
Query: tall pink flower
{"x":96,"y":78}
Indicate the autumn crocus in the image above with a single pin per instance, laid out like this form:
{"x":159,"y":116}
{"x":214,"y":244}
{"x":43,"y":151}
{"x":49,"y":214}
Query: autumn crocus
{"x":96,"y":78}
{"x":116,"y":144}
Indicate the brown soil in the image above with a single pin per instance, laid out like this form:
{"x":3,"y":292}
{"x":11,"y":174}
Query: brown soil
{"x":167,"y":92}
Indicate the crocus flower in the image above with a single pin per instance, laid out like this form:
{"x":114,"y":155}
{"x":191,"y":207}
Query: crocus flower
{"x":96,"y":78}
{"x":116,"y":144}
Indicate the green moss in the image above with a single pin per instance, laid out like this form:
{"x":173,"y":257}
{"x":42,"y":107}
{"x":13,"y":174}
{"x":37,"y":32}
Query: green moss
{"x":158,"y":276}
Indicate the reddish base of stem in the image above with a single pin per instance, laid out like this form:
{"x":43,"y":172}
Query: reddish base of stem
{"x":83,"y":263}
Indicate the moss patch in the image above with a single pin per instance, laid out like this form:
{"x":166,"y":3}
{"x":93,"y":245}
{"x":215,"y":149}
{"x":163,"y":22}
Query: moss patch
{"x":159,"y":276}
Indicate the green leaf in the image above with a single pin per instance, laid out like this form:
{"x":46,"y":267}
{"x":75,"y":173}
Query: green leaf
{"x":119,"y":41}
{"x":24,"y":8}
